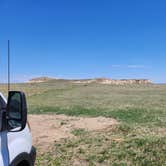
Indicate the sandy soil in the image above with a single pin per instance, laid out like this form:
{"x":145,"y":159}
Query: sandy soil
{"x":48,"y":129}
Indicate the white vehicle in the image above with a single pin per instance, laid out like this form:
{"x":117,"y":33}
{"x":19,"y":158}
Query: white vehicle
{"x":15,"y":138}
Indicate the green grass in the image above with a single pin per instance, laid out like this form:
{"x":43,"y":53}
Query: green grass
{"x":139,"y":139}
{"x":115,"y":147}
{"x":130,"y":116}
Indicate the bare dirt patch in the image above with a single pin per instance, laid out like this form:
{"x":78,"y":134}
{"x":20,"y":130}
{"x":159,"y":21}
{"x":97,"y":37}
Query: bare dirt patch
{"x":48,"y":129}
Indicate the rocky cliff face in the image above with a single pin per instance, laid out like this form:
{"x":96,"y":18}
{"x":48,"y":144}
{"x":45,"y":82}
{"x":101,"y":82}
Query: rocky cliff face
{"x":126,"y":81}
{"x":97,"y":80}
{"x":116,"y":82}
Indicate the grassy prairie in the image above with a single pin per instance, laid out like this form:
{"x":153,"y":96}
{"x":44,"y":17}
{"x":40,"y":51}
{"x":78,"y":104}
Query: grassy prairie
{"x":139,"y":139}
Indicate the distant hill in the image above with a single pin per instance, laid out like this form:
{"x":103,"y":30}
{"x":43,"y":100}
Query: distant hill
{"x":95,"y":80}
{"x":40,"y":79}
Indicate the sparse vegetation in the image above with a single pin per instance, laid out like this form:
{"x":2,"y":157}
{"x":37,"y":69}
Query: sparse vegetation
{"x":120,"y":146}
{"x":78,"y":132}
{"x":139,"y":139}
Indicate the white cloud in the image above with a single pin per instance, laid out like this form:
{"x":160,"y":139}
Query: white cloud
{"x":129,"y":66}
{"x":136,"y":66}
{"x":116,"y":66}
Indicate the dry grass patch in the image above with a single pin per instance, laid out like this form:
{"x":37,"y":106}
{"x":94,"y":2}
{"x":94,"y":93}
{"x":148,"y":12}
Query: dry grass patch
{"x":48,"y":129}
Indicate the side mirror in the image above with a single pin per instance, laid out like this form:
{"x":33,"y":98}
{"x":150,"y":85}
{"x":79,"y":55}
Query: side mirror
{"x":16,"y":111}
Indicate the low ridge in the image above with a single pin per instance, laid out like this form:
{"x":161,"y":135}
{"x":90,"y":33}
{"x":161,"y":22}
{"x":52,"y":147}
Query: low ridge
{"x":96,"y":80}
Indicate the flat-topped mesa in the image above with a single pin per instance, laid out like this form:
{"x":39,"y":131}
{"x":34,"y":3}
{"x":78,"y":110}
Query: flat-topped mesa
{"x":40,"y":79}
{"x":95,"y":80}
{"x":114,"y":81}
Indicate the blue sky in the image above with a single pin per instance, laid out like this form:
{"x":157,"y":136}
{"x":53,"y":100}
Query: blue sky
{"x":84,"y":38}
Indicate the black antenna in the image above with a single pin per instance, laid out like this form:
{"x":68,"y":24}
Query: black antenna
{"x":8,"y":65}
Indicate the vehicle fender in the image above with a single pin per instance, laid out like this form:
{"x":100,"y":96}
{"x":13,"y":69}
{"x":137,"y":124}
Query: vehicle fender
{"x":19,"y":143}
